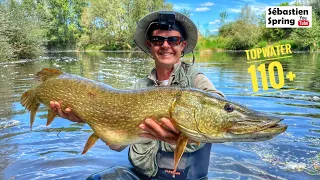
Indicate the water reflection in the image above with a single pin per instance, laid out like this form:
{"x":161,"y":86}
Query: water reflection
{"x":54,"y":152}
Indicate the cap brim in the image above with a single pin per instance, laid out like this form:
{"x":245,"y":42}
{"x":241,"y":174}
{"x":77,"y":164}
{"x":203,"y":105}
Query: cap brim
{"x":190,"y":28}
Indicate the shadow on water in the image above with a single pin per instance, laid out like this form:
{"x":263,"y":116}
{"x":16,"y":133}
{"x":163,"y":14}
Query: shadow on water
{"x":54,"y":152}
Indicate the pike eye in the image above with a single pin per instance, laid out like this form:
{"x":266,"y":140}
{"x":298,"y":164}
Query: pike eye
{"x":228,"y":107}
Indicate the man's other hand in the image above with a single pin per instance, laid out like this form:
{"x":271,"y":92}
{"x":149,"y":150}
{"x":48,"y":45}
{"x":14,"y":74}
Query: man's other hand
{"x":164,"y":131}
{"x":67,"y":113}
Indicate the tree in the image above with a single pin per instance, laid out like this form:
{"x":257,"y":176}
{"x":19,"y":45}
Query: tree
{"x":64,"y":22}
{"x":243,"y":33}
{"x":274,"y":34}
{"x":308,"y":38}
{"x":22,"y":29}
{"x":6,"y":50}
{"x":223,"y":17}
{"x":248,"y":15}
{"x":186,"y":12}
{"x":240,"y":35}
{"x":110,"y":24}
{"x":315,"y":6}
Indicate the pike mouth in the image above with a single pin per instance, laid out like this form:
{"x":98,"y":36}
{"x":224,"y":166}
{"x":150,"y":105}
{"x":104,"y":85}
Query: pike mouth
{"x":260,"y":135}
{"x":276,"y":128}
{"x":252,"y":126}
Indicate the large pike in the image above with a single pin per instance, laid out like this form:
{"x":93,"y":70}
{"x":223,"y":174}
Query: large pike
{"x":114,"y":115}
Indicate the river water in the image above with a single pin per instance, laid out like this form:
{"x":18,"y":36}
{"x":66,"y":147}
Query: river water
{"x":54,"y":152}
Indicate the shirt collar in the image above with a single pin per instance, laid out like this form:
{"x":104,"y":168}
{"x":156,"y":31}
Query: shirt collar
{"x":153,"y":75}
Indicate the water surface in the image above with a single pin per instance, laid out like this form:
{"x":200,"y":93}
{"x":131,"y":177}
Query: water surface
{"x":54,"y":152}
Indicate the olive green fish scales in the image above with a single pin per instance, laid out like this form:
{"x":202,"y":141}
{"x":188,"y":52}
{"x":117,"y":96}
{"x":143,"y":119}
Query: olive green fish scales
{"x":114,"y":115}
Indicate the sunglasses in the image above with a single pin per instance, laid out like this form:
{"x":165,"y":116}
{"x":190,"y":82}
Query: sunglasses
{"x":159,"y":40}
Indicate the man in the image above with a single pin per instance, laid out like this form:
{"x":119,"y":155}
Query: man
{"x":166,"y":36}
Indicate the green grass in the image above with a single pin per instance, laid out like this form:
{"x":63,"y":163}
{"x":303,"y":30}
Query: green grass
{"x":287,"y":41}
{"x":211,"y":43}
{"x":95,"y":47}
{"x":261,"y":44}
{"x":216,"y":42}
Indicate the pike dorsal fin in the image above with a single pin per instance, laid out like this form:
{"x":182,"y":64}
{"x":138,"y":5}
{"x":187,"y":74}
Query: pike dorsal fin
{"x":46,"y":73}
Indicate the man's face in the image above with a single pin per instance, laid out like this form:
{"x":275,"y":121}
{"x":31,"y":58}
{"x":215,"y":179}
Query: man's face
{"x":166,"y":55}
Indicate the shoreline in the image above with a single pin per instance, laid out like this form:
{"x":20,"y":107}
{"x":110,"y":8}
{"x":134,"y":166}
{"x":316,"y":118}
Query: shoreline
{"x":125,"y":51}
{"x":138,"y":51}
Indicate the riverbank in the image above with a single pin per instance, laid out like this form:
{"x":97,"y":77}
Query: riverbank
{"x":214,"y":50}
{"x":138,"y":51}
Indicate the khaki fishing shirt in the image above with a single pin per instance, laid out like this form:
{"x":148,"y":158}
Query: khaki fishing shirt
{"x":143,"y":156}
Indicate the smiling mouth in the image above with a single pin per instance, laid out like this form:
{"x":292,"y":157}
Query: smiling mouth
{"x":165,"y":53}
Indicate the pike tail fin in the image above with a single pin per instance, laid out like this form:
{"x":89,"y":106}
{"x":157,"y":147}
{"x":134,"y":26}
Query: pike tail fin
{"x":29,"y":101}
{"x":181,"y":146}
{"x":90,"y":142}
{"x":47,"y":73}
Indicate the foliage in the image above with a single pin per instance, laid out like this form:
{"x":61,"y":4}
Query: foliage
{"x":212,"y":42}
{"x":315,"y":6}
{"x":63,"y":19}
{"x":308,"y":38}
{"x":114,"y":27}
{"x":243,"y":33}
{"x":249,"y":31}
{"x":186,"y":12}
{"x":6,"y":51}
{"x":273,"y":34}
{"x":24,"y":36}
{"x":223,"y":16}
{"x":261,"y":44}
{"x":240,"y":35}
{"x":287,"y":41}
{"x":247,"y":15}
{"x":28,"y":27}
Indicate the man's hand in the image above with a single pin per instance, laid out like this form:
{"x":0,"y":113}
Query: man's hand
{"x":67,"y":113}
{"x":165,"y":131}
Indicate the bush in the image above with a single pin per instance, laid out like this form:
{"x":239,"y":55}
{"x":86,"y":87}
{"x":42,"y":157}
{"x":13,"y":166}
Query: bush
{"x":261,"y":44}
{"x":6,"y":51}
{"x":213,"y":42}
{"x":21,"y":33}
{"x":293,"y":43}
{"x":240,"y":35}
{"x":307,"y":38}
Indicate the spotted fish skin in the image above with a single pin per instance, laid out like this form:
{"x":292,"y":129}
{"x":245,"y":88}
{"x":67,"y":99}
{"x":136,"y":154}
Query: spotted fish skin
{"x":114,"y":115}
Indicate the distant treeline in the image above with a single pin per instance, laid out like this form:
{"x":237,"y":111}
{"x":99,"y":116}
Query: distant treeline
{"x":249,"y":31}
{"x":30,"y":27}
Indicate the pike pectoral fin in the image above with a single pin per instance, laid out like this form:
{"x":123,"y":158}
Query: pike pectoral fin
{"x":174,"y":104}
{"x":51,"y":116}
{"x":181,"y":146}
{"x":90,"y":142}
